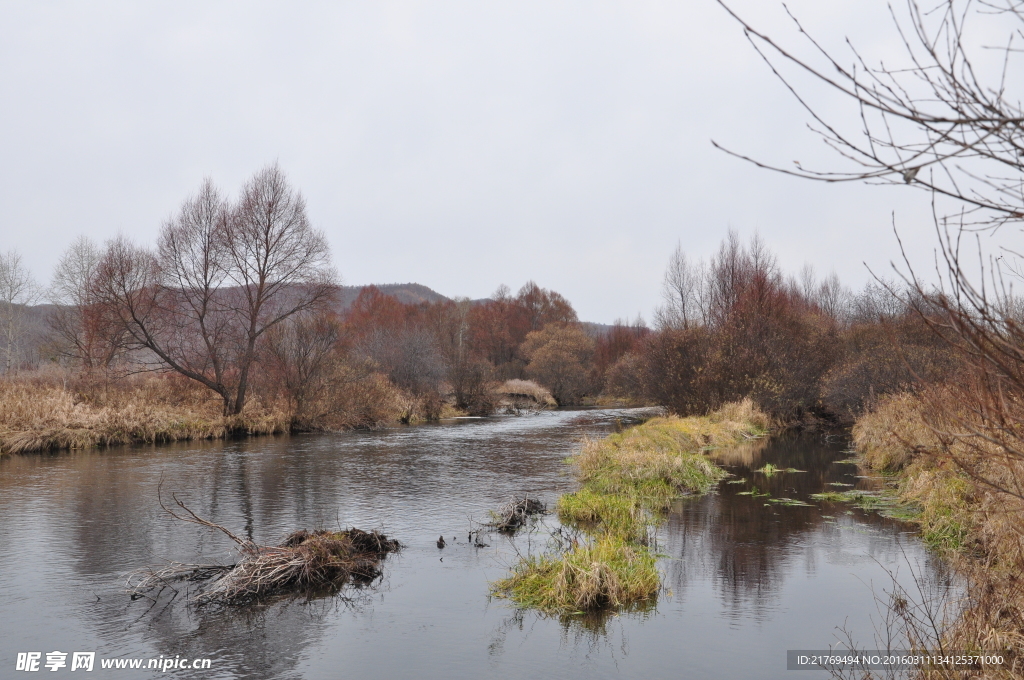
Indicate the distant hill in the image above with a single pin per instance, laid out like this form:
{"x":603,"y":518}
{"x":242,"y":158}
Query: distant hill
{"x":36,"y":327}
{"x":408,"y":293}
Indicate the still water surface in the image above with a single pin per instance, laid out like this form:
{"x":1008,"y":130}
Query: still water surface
{"x":743,"y":582}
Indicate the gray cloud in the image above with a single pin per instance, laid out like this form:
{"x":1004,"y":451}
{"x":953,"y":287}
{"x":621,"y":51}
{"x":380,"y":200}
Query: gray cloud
{"x":460,"y":145}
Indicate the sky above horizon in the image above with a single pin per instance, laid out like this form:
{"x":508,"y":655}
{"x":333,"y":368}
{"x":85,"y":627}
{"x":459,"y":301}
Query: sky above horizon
{"x":459,"y":145}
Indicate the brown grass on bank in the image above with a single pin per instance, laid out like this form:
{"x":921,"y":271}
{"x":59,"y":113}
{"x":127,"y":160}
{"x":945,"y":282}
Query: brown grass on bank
{"x":36,"y":416}
{"x":959,"y":483}
{"x":45,"y":411}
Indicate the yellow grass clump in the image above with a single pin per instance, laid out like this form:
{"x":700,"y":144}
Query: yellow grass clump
{"x":607,"y":574}
{"x":896,"y":438}
{"x":527,"y":389}
{"x":628,"y":478}
{"x":664,"y":457}
{"x":893,"y":434}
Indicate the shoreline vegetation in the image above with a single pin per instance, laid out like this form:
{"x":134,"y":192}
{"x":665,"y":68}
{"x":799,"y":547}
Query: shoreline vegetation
{"x":628,"y":480}
{"x":961,"y":488}
{"x":50,"y":412}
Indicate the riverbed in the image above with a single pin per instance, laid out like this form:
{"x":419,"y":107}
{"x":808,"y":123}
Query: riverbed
{"x":743,"y":579}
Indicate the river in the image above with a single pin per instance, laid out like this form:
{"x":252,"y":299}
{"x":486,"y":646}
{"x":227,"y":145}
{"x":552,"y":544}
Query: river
{"x":743,"y":581}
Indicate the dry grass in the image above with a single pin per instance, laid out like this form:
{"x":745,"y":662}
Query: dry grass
{"x":893,"y":434}
{"x":36,"y":416}
{"x":48,"y":411}
{"x":306,"y":562}
{"x":527,"y":389}
{"x":979,"y":528}
{"x":899,"y":437}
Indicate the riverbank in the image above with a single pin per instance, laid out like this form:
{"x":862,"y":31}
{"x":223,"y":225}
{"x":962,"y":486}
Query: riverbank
{"x":627,"y":482}
{"x":969,"y":505}
{"x":40,"y":416}
{"x":52,"y":411}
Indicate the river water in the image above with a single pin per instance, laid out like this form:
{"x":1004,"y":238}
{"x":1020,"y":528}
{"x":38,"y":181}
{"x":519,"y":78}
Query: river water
{"x":743,"y":581}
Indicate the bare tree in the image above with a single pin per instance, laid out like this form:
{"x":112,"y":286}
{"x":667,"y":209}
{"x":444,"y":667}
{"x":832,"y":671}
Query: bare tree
{"x":946,"y":120}
{"x":76,"y":322}
{"x":682,"y":291}
{"x":222,"y":277}
{"x":198,"y":326}
{"x":833,"y":298}
{"x":301,"y":353}
{"x":279,"y":263}
{"x":466,"y":373}
{"x":18,"y":290}
{"x":808,"y":281}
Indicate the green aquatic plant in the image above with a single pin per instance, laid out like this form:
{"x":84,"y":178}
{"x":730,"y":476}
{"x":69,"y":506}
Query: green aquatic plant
{"x":790,"y":502}
{"x":753,"y":492}
{"x":612,"y":514}
{"x":885,"y":502}
{"x":770,"y":469}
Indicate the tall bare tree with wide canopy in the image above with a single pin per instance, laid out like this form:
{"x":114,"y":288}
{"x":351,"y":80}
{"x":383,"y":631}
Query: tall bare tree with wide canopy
{"x":223,"y":274}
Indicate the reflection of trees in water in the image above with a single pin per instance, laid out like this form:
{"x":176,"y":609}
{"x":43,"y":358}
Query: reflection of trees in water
{"x":241,"y":641}
{"x":251,"y":487}
{"x":747,"y":546}
{"x":119,"y":524}
{"x":712,"y":541}
{"x":746,"y":454}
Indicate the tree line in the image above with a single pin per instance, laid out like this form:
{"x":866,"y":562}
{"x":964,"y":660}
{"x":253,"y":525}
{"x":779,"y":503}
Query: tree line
{"x":735,"y":326}
{"x":239,"y":296}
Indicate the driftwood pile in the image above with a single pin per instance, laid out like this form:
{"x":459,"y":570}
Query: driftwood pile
{"x":514,"y":514}
{"x":305,"y":562}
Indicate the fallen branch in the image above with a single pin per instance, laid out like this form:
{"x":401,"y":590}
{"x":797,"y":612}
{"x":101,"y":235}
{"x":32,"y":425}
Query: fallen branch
{"x":304,"y":562}
{"x":514,"y":514}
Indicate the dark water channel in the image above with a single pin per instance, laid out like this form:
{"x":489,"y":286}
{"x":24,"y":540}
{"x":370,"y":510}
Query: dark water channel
{"x":743,"y":582}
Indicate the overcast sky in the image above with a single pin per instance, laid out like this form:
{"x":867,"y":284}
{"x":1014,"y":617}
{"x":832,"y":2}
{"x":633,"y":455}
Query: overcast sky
{"x":460,"y":145}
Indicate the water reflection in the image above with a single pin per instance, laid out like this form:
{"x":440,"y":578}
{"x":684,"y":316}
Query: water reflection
{"x":748,"y":547}
{"x":736,"y":572}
